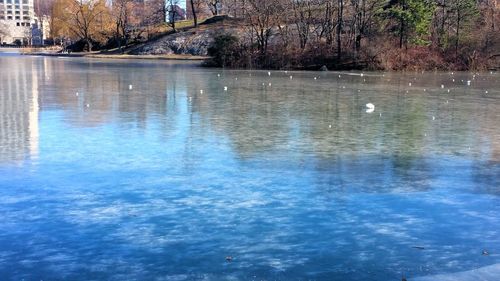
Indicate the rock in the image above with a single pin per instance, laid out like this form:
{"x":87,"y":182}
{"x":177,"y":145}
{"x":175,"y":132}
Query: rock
{"x":189,"y":42}
{"x":216,"y":19}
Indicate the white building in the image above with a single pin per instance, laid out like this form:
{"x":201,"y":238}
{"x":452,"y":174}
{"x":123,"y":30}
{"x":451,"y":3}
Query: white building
{"x":16,"y":20}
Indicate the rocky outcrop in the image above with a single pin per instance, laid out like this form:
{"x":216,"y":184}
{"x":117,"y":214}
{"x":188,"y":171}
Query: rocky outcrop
{"x":194,"y":43}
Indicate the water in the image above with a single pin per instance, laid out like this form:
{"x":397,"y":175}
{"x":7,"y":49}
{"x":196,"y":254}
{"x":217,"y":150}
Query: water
{"x":292,"y":178}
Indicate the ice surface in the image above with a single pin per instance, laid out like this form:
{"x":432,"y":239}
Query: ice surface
{"x":487,"y":273}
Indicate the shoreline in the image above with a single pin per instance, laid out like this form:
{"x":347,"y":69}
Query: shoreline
{"x":120,"y":56}
{"x":200,"y":59}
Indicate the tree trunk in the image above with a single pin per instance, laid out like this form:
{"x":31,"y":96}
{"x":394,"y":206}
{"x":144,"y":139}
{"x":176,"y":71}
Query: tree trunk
{"x":402,"y":27}
{"x":458,"y":32}
{"x":125,"y":37}
{"x":216,"y":11}
{"x":118,"y":38}
{"x":89,"y":44}
{"x":358,"y":43}
{"x":195,"y":18}
{"x":401,"y":32}
{"x":443,"y":22}
{"x":339,"y":29}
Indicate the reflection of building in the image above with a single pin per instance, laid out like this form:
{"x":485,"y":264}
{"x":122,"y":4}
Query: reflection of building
{"x":18,"y":111}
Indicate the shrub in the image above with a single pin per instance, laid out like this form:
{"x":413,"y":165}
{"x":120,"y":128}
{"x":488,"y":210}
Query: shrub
{"x":224,"y":50}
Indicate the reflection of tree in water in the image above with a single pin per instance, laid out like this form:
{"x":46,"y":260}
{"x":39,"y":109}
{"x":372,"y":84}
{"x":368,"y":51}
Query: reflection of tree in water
{"x":297,"y":120}
{"x":485,"y":176}
{"x":254,"y":119}
{"x":105,"y":88}
{"x":309,"y":124}
{"x":366,"y":153}
{"x":329,"y":124}
{"x":300,"y":120}
{"x":487,"y":170}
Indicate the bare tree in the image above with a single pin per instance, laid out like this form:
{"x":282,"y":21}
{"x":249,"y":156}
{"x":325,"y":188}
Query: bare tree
{"x":262,"y":16}
{"x":340,"y":19}
{"x":122,"y":17}
{"x":326,"y":21}
{"x":155,"y":12}
{"x":85,"y":19}
{"x":235,"y":8}
{"x":304,"y":19}
{"x":363,"y":14}
{"x":173,"y":13}
{"x":43,"y":7}
{"x":152,"y":13}
{"x":193,"y":10}
{"x":215,"y":6}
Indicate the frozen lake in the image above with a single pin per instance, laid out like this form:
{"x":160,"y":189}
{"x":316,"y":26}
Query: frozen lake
{"x":143,"y":170}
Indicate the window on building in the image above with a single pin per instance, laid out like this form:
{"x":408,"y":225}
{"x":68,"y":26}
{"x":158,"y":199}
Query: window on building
{"x":17,"y":23}
{"x":18,"y":17}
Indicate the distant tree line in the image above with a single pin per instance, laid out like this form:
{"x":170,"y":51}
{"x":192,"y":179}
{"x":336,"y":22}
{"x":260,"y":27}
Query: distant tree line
{"x":388,"y":34}
{"x":95,"y":24}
